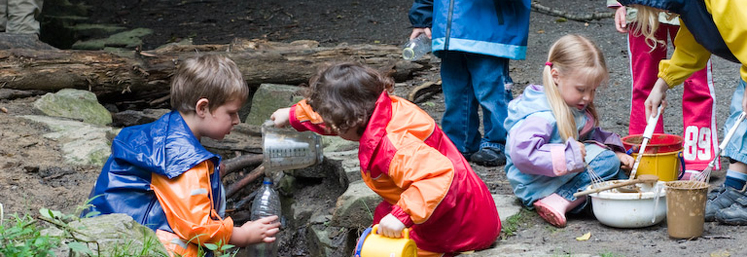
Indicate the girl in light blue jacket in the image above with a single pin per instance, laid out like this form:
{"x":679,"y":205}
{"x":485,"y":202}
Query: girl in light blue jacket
{"x":554,"y":134}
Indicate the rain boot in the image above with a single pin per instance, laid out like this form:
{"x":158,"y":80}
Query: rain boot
{"x":553,"y":208}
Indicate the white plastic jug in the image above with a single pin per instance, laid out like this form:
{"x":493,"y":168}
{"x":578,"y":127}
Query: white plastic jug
{"x":286,"y":148}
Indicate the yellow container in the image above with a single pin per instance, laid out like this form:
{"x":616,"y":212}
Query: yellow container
{"x":668,"y":166}
{"x":371,"y":244}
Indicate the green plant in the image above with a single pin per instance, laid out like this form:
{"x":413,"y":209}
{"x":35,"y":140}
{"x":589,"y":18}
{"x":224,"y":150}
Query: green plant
{"x":514,"y":223}
{"x":21,"y":237}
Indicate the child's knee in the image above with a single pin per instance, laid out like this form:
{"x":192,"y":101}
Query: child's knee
{"x":606,"y":163}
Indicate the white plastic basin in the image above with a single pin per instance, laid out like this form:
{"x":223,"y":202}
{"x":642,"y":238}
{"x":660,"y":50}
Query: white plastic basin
{"x":629,"y":210}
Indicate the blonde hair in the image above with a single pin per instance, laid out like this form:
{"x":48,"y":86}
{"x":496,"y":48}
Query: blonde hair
{"x":646,"y":23}
{"x":213,"y":77}
{"x":572,"y":54}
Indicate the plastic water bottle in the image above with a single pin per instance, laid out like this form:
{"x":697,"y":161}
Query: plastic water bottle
{"x":266,"y":203}
{"x":417,"y":47}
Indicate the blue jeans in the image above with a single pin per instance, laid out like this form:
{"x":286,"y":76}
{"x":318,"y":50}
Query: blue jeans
{"x":472,"y":81}
{"x":606,"y":165}
{"x":736,"y":148}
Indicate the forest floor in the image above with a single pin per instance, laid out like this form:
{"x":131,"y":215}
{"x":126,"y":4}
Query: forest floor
{"x":32,"y":173}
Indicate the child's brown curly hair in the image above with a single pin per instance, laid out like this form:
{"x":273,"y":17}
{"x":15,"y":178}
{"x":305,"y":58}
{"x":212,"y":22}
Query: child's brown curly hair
{"x":345,"y":94}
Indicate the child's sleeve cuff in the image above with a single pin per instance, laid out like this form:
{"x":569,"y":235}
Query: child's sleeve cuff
{"x":402,"y":216}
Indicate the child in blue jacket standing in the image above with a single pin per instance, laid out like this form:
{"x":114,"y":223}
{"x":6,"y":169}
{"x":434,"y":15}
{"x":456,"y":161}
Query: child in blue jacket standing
{"x":475,"y":39}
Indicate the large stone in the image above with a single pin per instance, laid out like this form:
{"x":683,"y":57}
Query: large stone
{"x":127,"y":39}
{"x":355,"y":207}
{"x":82,"y":143}
{"x":116,"y":234}
{"x":74,"y":104}
{"x":507,"y":206}
{"x":269,"y":98}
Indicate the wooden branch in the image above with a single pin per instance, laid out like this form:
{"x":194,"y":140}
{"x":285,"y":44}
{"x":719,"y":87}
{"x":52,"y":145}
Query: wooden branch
{"x":563,"y":14}
{"x":422,"y":92}
{"x":146,"y":75}
{"x":242,"y":161}
{"x":235,"y":187}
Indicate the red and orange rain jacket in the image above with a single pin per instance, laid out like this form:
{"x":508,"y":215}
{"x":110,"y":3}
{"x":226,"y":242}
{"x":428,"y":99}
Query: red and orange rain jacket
{"x":407,"y":160}
{"x":160,"y":175}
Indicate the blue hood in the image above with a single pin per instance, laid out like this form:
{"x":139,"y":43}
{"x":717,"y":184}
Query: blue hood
{"x":159,"y":147}
{"x":532,"y":100}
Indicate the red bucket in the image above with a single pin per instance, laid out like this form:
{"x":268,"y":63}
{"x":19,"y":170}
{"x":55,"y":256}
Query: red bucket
{"x":659,"y":143}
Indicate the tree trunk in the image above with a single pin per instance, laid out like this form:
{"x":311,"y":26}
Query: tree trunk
{"x":146,"y":75}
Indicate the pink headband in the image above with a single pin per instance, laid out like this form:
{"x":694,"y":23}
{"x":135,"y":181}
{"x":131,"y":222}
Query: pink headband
{"x":548,"y":64}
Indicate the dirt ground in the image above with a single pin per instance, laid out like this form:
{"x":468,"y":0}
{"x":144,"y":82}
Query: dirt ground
{"x":32,"y":173}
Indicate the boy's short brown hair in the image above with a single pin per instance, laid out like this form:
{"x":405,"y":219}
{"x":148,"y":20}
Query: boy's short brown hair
{"x":213,"y":77}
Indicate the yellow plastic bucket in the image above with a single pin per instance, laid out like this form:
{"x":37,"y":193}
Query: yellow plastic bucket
{"x":371,"y":244}
{"x":668,"y":166}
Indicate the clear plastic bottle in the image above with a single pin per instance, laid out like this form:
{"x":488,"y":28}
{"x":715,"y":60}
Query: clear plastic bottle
{"x":416,"y":48}
{"x":266,"y":203}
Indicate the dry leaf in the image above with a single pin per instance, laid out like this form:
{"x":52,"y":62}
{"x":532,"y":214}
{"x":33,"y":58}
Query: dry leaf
{"x":584,"y":237}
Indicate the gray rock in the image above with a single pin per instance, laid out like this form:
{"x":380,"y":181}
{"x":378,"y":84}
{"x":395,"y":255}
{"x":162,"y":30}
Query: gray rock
{"x":127,"y":39}
{"x":131,"y":117}
{"x":269,"y":98}
{"x":355,"y":207}
{"x":82,"y":143}
{"x":74,"y":104}
{"x":507,"y":206}
{"x":115,"y":234}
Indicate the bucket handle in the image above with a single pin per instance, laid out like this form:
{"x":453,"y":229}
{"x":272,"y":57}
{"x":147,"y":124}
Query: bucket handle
{"x":362,"y":238}
{"x":372,"y":230}
{"x":405,"y":232}
{"x":682,"y":165}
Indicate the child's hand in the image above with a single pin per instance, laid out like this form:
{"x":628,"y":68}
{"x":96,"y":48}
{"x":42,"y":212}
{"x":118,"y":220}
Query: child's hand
{"x":582,"y":148}
{"x":258,"y":231}
{"x":281,"y":117}
{"x":625,"y":160}
{"x":390,"y":226}
{"x":418,"y":31}
{"x":621,"y":20}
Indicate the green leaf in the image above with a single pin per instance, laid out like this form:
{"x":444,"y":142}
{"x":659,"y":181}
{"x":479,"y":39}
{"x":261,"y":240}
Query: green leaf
{"x":46,"y":213}
{"x":226,"y":247}
{"x":79,"y":247}
{"x":92,"y":214}
{"x":211,"y":247}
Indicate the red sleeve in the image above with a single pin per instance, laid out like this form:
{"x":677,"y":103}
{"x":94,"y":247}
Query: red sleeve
{"x":186,"y":200}
{"x":303,"y":118}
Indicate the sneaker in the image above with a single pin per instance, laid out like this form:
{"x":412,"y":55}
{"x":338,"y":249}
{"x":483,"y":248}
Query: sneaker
{"x":736,"y":214}
{"x":489,"y":157}
{"x":720,"y":198}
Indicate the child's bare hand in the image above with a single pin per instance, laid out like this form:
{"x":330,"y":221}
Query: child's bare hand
{"x":258,"y":231}
{"x":418,"y":31}
{"x":390,"y":226}
{"x":621,"y":20}
{"x":582,"y":148}
{"x":281,"y":117}
{"x":625,"y":160}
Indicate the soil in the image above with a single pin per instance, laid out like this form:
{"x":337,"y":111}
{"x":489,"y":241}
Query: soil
{"x":33,"y":174}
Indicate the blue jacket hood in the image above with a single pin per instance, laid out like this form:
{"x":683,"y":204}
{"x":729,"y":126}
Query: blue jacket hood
{"x":161,"y":146}
{"x":532,"y":100}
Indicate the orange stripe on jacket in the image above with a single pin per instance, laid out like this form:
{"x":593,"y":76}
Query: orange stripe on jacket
{"x":187,"y":202}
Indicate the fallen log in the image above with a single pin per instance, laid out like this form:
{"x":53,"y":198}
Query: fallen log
{"x":146,"y":74}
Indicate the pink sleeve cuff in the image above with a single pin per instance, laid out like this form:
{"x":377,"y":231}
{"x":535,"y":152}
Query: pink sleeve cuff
{"x":402,"y":216}
{"x":558,"y":160}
